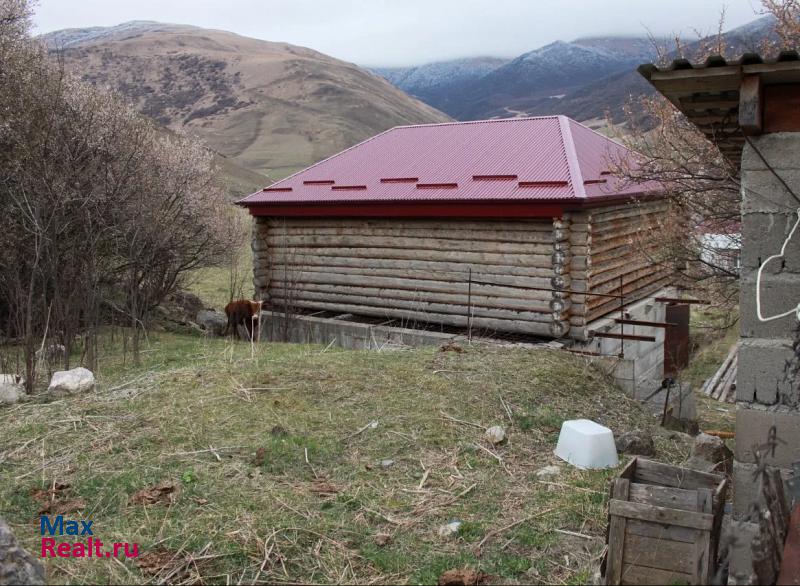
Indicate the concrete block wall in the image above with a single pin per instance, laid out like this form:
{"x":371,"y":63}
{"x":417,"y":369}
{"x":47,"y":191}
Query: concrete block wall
{"x":766,"y":393}
{"x":641,"y":368}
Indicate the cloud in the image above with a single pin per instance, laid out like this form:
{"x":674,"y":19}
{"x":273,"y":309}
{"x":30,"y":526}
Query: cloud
{"x":406,"y":32}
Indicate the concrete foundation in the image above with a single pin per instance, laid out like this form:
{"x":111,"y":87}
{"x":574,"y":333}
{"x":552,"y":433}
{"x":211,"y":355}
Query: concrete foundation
{"x":766,"y":393}
{"x":352,"y":335}
{"x":639,"y":371}
{"x":636,"y":366}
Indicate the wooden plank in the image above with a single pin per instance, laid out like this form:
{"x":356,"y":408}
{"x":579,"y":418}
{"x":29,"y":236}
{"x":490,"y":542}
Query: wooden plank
{"x":407,"y":242}
{"x":750,"y":104}
{"x":781,"y":108}
{"x":659,"y":531}
{"x":660,"y":554}
{"x":433,"y":305}
{"x":637,"y":575}
{"x":410,"y":317}
{"x":650,"y":472}
{"x":703,"y":564}
{"x":725,"y":384}
{"x":664,"y":496}
{"x":421,"y":296}
{"x":460,"y":286}
{"x":526,"y":260}
{"x":665,"y":515}
{"x":616,"y":532}
{"x":544,"y":225}
{"x":448,"y":233}
{"x":711,"y":383}
{"x":402,"y":274}
{"x":433,"y":266}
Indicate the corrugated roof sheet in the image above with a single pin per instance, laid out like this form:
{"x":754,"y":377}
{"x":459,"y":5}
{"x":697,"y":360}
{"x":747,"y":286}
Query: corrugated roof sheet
{"x":708,"y":93}
{"x":544,"y":158}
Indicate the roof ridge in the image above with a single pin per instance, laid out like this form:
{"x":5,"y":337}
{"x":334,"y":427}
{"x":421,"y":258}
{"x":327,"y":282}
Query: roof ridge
{"x":571,"y":155}
{"x":465,"y":122}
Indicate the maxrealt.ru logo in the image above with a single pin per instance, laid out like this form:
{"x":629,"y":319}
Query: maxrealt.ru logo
{"x":91,"y":547}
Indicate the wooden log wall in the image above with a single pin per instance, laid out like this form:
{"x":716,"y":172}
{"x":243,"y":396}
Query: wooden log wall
{"x":527,"y":275}
{"x":612,"y":252}
{"x":411,"y":270}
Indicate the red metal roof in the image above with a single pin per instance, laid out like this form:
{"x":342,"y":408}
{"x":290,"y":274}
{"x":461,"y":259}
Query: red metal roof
{"x":546,"y":159}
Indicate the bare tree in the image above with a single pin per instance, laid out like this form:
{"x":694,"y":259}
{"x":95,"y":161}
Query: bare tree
{"x":102,"y":210}
{"x":702,"y":185}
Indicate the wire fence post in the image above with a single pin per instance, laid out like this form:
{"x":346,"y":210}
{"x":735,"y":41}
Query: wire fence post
{"x":469,"y":306}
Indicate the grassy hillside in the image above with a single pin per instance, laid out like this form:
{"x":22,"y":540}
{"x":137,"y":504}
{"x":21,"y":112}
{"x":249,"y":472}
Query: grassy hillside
{"x":267,"y":469}
{"x":272,"y":107}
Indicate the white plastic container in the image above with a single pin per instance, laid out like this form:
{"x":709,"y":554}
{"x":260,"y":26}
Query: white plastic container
{"x":586,"y":445}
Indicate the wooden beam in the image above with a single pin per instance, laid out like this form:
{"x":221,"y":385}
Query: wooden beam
{"x":750,"y":104}
{"x":653,"y":324}
{"x":676,"y":300}
{"x":616,"y":336}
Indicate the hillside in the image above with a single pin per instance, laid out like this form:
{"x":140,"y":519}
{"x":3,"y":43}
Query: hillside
{"x":231,"y":467}
{"x":270,"y":107}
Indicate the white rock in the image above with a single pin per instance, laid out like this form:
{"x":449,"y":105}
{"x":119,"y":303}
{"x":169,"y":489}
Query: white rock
{"x":495,"y":434}
{"x":387,"y":463}
{"x":548,"y":472}
{"x":10,"y":389}
{"x":77,"y":380}
{"x":449,"y":529}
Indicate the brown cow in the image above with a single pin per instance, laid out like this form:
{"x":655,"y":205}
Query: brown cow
{"x":242,"y":312}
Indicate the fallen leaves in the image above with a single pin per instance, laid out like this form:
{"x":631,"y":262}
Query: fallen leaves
{"x":463,"y":577}
{"x":165,"y":492}
{"x":450,"y":346}
{"x":261,"y":457}
{"x":323,"y":488}
{"x":55,"y":500}
{"x":163,"y":562}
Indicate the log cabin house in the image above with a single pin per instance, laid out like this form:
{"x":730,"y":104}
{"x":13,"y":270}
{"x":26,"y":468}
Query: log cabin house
{"x":513,"y":225}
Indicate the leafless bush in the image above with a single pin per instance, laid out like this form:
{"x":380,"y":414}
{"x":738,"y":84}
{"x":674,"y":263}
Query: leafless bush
{"x":102,"y":211}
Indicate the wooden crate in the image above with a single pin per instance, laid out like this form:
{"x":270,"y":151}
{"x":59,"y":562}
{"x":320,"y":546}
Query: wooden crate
{"x":664,"y":525}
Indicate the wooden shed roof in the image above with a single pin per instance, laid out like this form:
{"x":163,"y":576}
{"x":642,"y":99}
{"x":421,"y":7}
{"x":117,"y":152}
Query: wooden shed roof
{"x":709,"y":94}
{"x":542,"y":161}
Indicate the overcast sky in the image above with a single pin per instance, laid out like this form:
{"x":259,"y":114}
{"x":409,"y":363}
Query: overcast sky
{"x":409,"y":32}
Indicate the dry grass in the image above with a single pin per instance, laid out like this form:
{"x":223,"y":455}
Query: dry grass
{"x":272,"y":474}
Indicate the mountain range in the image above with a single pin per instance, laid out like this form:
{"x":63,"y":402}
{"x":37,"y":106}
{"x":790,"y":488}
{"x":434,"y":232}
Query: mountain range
{"x":269,"y":109}
{"x":586,"y":79}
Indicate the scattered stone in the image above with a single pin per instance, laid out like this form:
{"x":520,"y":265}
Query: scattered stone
{"x":68,"y":382}
{"x":636,"y":443}
{"x":465,"y":577}
{"x":495,"y":434}
{"x":10,"y":389}
{"x":211,"y":322}
{"x":449,"y":529}
{"x":382,"y":539}
{"x":17,"y":566}
{"x":710,"y":454}
{"x":548,"y":472}
{"x":387,"y":463}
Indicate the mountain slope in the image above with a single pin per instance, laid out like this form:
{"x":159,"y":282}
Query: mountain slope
{"x":441,"y":83}
{"x":585,"y":79}
{"x":271,"y":107}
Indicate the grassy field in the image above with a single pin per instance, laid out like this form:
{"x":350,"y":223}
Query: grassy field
{"x":268,"y":467}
